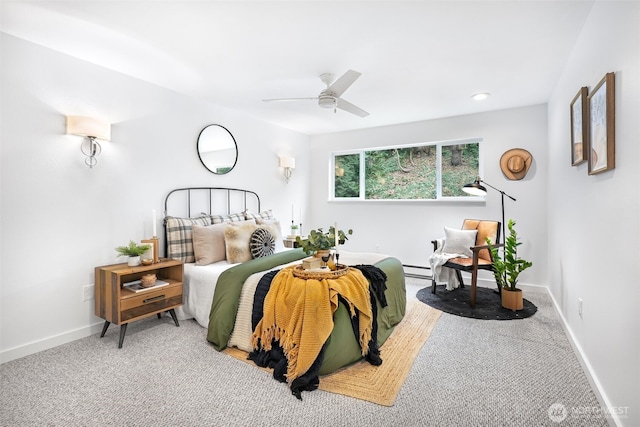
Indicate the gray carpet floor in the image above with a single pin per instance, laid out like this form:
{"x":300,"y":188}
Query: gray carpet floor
{"x":469,"y":373}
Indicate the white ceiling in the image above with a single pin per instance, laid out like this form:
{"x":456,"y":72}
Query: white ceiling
{"x":419,"y":59}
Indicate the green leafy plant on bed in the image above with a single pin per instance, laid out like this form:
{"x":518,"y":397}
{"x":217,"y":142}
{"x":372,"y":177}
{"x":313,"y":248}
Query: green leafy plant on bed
{"x":319,"y":240}
{"x":506,"y":269}
{"x":132,"y":250}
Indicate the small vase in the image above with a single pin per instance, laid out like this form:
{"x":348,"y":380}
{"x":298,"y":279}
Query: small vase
{"x":133,"y":261}
{"x":512,"y":300}
{"x":321,"y":253}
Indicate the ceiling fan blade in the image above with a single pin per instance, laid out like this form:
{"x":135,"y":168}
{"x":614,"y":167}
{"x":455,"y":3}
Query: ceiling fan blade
{"x":338,"y":87}
{"x":349,"y":107}
{"x":290,"y":99}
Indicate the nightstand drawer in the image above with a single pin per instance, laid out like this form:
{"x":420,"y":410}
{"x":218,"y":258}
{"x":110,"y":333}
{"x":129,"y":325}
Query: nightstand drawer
{"x":149,"y":302}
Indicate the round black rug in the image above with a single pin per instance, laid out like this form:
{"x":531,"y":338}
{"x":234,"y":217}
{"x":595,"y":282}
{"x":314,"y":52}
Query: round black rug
{"x":488,"y":304}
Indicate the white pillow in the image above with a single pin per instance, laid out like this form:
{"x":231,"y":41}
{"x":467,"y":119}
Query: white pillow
{"x":273,"y":225}
{"x":459,"y":241}
{"x":208,"y":243}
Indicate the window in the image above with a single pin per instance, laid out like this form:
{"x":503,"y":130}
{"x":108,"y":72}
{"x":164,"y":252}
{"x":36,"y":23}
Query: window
{"x":429,"y":171}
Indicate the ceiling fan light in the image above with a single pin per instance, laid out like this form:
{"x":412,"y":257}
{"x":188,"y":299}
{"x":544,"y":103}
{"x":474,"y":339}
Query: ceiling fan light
{"x":327,"y":101}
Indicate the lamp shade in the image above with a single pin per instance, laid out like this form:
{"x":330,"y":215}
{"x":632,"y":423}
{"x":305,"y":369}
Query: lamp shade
{"x":88,"y":126}
{"x":475,"y":188}
{"x":287,"y":162}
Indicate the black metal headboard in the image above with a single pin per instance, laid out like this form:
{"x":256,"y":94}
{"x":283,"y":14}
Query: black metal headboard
{"x":196,"y":201}
{"x":193,"y":201}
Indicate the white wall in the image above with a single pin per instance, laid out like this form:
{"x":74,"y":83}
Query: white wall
{"x":594,"y":232}
{"x":60,"y":219}
{"x":405,"y":229}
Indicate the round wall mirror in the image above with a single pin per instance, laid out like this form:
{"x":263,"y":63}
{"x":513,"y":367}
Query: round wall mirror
{"x":217,"y":149}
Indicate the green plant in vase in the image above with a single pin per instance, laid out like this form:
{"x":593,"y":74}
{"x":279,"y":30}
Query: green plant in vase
{"x":133,"y":251}
{"x":507,"y":269}
{"x":319,"y":240}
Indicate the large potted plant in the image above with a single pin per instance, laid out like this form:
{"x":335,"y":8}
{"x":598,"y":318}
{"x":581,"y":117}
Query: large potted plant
{"x":320,"y":241}
{"x":133,"y":251}
{"x":507,"y":268}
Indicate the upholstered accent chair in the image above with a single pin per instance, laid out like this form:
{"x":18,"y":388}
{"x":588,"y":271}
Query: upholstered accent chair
{"x":480,"y":256}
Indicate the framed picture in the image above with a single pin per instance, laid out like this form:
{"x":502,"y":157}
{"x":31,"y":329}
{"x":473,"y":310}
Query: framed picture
{"x":602,"y":126}
{"x":579,"y":127}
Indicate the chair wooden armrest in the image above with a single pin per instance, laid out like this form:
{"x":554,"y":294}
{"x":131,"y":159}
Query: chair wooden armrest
{"x":481,"y":247}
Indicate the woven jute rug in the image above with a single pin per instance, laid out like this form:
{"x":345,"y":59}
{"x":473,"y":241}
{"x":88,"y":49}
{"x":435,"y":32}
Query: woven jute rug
{"x":381,"y":384}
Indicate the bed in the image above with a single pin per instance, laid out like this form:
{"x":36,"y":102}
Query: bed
{"x":212,"y":230}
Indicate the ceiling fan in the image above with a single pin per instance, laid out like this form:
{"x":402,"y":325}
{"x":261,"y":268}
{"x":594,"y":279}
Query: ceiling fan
{"x":330,"y":97}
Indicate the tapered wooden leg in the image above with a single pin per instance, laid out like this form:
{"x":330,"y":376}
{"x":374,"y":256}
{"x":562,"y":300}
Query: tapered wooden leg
{"x":123,"y":331}
{"x":174,"y":317}
{"x":474,"y":280}
{"x":104,"y":328}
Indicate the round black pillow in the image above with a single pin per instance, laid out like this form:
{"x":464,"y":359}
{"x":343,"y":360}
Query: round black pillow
{"x":262,"y":243}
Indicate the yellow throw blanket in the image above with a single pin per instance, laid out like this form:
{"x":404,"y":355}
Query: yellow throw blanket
{"x":298,"y":313}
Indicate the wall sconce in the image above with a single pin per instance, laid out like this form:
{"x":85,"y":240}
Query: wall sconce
{"x":289,"y":164}
{"x":93,"y":129}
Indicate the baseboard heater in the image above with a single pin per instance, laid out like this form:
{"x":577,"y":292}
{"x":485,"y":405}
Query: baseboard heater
{"x":417,"y":271}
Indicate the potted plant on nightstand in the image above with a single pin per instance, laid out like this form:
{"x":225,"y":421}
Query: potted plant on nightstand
{"x":133,"y":251}
{"x":320,"y":241}
{"x":506,"y":270}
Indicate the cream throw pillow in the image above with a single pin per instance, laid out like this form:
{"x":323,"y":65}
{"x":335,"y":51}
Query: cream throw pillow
{"x":208,"y":243}
{"x":459,"y":241}
{"x":236,"y":240}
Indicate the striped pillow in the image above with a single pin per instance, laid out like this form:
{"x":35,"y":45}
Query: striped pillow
{"x":180,"y":236}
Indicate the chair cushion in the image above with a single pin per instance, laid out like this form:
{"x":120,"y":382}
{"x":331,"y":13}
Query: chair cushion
{"x":468,"y":262}
{"x":486,"y":229}
{"x":459,"y":241}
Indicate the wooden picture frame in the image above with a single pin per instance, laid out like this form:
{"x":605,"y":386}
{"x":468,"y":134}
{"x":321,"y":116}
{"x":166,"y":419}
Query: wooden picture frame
{"x":153,"y":253}
{"x":602,"y":126}
{"x":579,"y":110}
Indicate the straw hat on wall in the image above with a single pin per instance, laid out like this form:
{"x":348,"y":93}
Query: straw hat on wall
{"x":515,"y":163}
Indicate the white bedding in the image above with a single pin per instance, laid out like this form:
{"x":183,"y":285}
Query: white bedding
{"x":200,"y":284}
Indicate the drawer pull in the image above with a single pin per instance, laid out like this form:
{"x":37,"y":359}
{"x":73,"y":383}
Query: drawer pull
{"x":159,"y":297}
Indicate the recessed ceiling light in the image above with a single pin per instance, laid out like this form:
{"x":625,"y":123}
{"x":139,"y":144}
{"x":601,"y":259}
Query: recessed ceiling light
{"x":480,"y":96}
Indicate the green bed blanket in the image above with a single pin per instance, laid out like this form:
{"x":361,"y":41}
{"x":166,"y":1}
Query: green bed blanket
{"x":342,"y":348}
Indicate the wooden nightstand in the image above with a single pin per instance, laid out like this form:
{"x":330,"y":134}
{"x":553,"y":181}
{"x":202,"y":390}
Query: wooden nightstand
{"x":119,"y":305}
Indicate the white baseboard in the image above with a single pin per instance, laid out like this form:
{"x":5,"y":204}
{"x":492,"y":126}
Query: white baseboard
{"x":586,"y":366}
{"x":50,"y":342}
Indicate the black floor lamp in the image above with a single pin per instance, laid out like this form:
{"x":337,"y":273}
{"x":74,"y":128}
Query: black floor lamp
{"x":477,"y":189}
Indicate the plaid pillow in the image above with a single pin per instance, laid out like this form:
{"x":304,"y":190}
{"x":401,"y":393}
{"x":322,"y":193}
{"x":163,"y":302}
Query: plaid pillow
{"x":179,"y":236}
{"x":261,"y":215}
{"x":217,"y":219}
{"x":236,"y":217}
